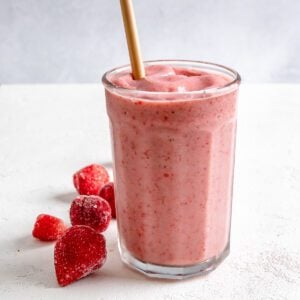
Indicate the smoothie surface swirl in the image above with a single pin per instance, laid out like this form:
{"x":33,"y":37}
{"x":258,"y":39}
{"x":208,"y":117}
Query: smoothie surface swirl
{"x":162,"y":78}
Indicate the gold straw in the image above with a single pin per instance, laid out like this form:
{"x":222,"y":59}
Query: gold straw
{"x":133,"y":44}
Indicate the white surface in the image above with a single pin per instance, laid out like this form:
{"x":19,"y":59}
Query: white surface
{"x":76,"y":41}
{"x":48,"y":132}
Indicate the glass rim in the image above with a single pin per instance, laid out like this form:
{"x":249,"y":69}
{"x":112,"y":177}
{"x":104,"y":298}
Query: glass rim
{"x":235,"y":81}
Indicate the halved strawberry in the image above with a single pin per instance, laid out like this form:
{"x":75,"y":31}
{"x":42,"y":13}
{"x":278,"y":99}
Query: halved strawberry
{"x":79,"y":252}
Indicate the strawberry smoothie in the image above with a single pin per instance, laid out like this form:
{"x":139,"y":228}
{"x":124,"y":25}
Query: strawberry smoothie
{"x":173,"y":136}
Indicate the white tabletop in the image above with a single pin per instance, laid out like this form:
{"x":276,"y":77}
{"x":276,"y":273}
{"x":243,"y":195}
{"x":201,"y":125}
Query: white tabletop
{"x":49,"y":131}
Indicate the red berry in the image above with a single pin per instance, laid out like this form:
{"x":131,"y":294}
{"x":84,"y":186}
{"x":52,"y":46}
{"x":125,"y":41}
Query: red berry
{"x":90,"y":180}
{"x":108,"y":193}
{"x":92,"y":211}
{"x":79,"y":252}
{"x":48,"y":228}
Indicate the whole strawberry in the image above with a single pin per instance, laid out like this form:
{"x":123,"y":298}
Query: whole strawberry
{"x":90,"y":179}
{"x":92,"y":211}
{"x":78,"y":252}
{"x":48,"y":228}
{"x":108,"y":193}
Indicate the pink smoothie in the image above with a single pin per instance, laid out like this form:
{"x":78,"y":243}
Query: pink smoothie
{"x":174,"y":156}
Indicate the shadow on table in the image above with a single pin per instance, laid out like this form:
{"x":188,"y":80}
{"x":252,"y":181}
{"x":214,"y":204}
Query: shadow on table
{"x":28,"y":242}
{"x":66,"y":197}
{"x":107,"y":164}
{"x":36,"y":268}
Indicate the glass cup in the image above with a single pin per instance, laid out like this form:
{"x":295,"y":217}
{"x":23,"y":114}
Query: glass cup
{"x":173,"y":167}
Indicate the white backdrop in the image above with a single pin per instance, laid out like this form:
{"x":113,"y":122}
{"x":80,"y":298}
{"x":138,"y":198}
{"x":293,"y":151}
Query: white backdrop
{"x":76,"y":41}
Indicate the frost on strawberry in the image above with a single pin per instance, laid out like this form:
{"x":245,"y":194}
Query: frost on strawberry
{"x":92,"y":211}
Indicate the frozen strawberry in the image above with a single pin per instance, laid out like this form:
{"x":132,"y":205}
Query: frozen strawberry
{"x":78,"y":252}
{"x":108,"y":193}
{"x":92,"y":211}
{"x":90,"y":180}
{"x":48,"y":228}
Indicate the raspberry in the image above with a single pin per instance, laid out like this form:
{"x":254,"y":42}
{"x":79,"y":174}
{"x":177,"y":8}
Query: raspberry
{"x":92,"y":211}
{"x":79,"y":252}
{"x":108,"y":193}
{"x":48,"y":228}
{"x":90,"y":179}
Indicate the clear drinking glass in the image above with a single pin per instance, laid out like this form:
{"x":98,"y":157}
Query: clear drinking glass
{"x":173,"y":168}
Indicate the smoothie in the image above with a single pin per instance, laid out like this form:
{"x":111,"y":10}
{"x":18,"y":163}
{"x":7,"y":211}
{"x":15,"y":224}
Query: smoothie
{"x":173,"y":136}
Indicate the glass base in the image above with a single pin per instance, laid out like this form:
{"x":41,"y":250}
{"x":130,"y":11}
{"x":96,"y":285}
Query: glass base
{"x":173,"y":272}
